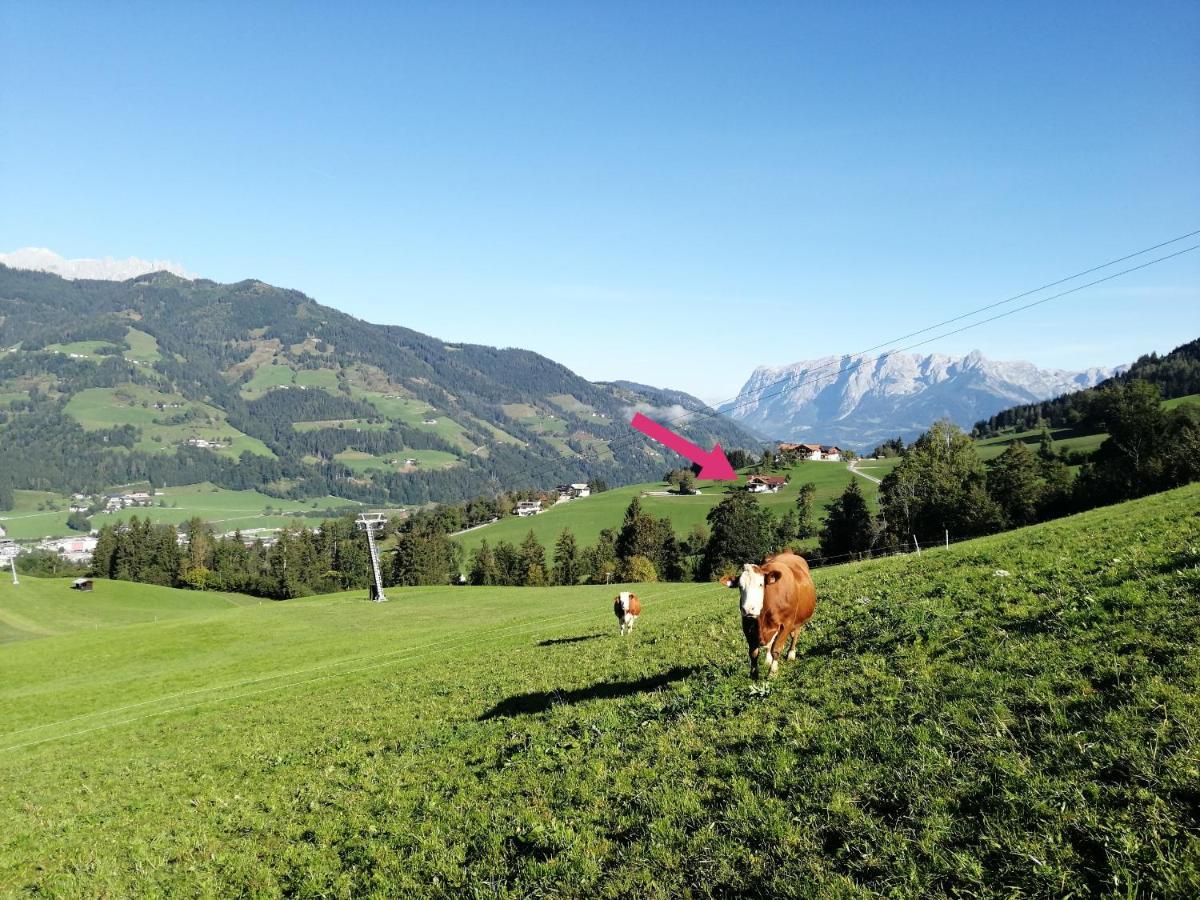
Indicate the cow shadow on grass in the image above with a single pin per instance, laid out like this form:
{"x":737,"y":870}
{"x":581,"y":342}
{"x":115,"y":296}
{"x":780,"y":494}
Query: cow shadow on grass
{"x":554,"y":642}
{"x":540,"y":701}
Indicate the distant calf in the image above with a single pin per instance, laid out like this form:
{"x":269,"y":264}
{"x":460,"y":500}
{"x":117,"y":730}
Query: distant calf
{"x":628,"y":608}
{"x":777,"y":598}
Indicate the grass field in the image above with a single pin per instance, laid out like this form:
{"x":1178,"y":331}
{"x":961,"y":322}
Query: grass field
{"x":131,"y":404}
{"x":1064,"y":441}
{"x":414,"y":412}
{"x":226,"y":510}
{"x":1193,"y":399}
{"x":40,"y":608}
{"x":143,"y":347}
{"x":586,"y":517}
{"x":361,"y":461}
{"x":1018,"y":715}
{"x":36,"y":514}
{"x":82,"y":349}
{"x":268,"y":376}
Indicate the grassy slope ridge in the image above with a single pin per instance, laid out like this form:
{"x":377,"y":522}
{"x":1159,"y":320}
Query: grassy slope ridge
{"x":588,"y":515}
{"x":224,"y":509}
{"x":945,"y":729}
{"x":40,"y":608}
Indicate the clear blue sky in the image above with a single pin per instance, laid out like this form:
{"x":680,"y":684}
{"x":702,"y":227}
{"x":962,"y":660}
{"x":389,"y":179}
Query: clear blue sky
{"x":666,"y":193}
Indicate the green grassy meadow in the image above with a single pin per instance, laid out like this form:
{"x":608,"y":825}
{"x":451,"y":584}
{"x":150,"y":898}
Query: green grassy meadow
{"x":1017,"y":715}
{"x":1065,"y":440}
{"x":40,"y":608}
{"x":40,"y":514}
{"x":269,"y":375}
{"x":1193,"y":399}
{"x":96,"y":408}
{"x":82,"y":349}
{"x":361,"y":461}
{"x":143,"y":347}
{"x":587,"y":516}
{"x":36,"y":514}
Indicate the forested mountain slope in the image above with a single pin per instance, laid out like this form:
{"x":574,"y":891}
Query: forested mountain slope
{"x":253,"y":386}
{"x":1177,"y":374}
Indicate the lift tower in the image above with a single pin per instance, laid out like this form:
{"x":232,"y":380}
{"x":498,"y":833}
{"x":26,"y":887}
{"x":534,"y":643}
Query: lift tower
{"x":370,"y":523}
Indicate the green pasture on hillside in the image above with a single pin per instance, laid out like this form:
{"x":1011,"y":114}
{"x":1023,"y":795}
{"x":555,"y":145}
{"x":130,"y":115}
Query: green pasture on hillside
{"x":228,"y":510}
{"x":143,"y":347}
{"x":83,"y":349}
{"x":134,"y":404}
{"x":40,"y":514}
{"x":1193,"y":399}
{"x":40,"y":608}
{"x":36,"y":514}
{"x":360,"y":461}
{"x":1065,"y":440}
{"x":414,"y":412}
{"x":269,"y":375}
{"x":1017,"y":715}
{"x":587,"y":516}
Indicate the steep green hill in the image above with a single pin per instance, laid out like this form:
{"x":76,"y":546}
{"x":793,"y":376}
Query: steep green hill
{"x":1017,"y":715}
{"x":255,"y":387}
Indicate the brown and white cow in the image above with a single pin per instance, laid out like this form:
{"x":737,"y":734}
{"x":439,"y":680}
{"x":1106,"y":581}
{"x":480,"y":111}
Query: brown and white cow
{"x":628,"y":607}
{"x":777,"y":598}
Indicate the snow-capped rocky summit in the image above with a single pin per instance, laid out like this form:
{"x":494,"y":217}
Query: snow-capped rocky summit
{"x":859,"y":401}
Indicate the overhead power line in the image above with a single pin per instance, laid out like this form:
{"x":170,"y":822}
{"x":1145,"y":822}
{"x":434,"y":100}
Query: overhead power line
{"x":937,"y":337}
{"x":745,"y":395}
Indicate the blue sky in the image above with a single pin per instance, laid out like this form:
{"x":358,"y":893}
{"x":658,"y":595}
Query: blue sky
{"x":666,"y":193}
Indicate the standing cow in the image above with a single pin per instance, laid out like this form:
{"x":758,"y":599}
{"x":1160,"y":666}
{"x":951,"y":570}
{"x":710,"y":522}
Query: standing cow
{"x":628,"y":608}
{"x":777,"y":598}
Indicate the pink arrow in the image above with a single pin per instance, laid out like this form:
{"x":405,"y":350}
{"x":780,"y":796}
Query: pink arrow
{"x":714,"y":466}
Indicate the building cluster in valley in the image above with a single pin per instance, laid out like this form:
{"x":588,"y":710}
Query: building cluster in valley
{"x":117,"y":502}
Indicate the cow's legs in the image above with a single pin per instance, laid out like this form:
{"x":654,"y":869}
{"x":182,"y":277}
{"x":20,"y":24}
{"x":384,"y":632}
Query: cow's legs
{"x":774,"y":647}
{"x":632,"y":622}
{"x":750,"y":630}
{"x":795,"y":641}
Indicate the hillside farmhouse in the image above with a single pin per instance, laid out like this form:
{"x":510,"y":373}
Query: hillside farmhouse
{"x":813,"y":452}
{"x":766,"y":484}
{"x":115,"y":502}
{"x":529,"y":508}
{"x":204,"y":444}
{"x":573,"y":491}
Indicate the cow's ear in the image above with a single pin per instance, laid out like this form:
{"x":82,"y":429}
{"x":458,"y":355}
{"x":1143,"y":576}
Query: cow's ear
{"x":772,"y":576}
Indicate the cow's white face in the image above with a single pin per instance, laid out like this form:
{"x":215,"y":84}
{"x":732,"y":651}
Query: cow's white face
{"x":752,"y":584}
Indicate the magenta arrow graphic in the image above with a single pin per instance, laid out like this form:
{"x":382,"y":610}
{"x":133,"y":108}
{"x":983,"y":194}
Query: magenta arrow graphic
{"x":714,"y":466}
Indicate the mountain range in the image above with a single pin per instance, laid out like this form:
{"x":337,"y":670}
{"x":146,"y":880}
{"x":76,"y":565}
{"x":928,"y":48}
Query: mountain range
{"x":247,"y":385}
{"x":858,"y":401}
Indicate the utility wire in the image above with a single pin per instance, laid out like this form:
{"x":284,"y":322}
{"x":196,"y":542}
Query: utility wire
{"x":1112,"y":262}
{"x":787,"y":383}
{"x":938,"y":337}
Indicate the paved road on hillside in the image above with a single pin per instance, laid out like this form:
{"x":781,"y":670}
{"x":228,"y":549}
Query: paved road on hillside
{"x":853,"y":467}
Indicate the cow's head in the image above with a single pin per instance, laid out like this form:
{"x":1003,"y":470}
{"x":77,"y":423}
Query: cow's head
{"x":752,"y":583}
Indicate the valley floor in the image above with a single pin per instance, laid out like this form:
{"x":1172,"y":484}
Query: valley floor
{"x":1018,"y":714}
